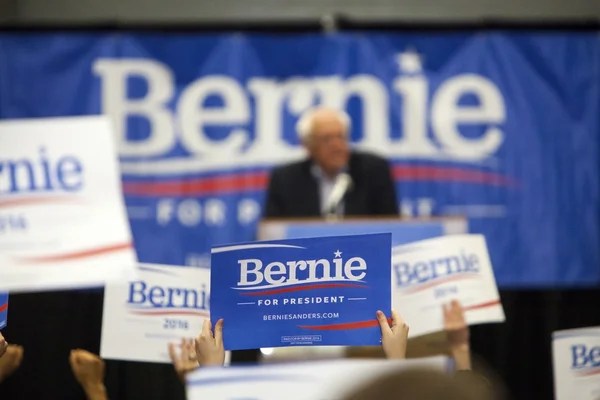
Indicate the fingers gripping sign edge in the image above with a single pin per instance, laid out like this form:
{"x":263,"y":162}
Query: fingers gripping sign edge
{"x":219,"y":331}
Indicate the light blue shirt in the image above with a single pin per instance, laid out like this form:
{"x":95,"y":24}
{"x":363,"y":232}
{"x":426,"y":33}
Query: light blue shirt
{"x":326,"y":184}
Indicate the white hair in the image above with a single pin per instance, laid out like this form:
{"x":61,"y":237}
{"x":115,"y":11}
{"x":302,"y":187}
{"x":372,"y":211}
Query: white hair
{"x":304,"y":126}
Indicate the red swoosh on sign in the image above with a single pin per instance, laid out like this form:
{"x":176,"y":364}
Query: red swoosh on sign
{"x":348,"y":325}
{"x":161,"y":312}
{"x":32,"y":201}
{"x":79,"y":254}
{"x":3,"y":307}
{"x":482,"y":305}
{"x":374,"y":322}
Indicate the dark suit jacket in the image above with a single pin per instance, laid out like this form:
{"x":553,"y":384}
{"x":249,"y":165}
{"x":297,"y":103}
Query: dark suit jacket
{"x":294,"y":191}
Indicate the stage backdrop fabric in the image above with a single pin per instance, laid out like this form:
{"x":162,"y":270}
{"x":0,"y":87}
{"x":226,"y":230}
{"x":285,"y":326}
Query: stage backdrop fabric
{"x":500,"y":126}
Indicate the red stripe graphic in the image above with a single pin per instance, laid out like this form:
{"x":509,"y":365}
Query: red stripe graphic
{"x":3,"y":307}
{"x":348,"y":325}
{"x":30,"y":201}
{"x":439,"y":281}
{"x":255,"y":181}
{"x":449,"y":174}
{"x":589,"y":373}
{"x":161,"y":312}
{"x":301,"y":288}
{"x":482,"y":305}
{"x":374,"y":322}
{"x":81,"y":254}
{"x":238,"y":182}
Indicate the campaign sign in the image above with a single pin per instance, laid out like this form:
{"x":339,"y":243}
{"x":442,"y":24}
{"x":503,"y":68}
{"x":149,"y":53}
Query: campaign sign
{"x":163,"y":304}
{"x":323,"y":380}
{"x":3,"y":309}
{"x":302,"y":292}
{"x":62,"y":217}
{"x":433,"y":272}
{"x":576,"y":364}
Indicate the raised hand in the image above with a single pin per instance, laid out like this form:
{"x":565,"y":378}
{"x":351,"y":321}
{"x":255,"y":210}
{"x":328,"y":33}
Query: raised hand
{"x":209,"y":346}
{"x":185,"y":360}
{"x":394,"y":339}
{"x":457,"y":332}
{"x":455,"y":326}
{"x":88,"y":369}
{"x":10,"y":361}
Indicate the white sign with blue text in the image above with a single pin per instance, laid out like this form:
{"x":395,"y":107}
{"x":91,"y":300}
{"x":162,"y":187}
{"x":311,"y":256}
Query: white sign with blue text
{"x":302,"y":292}
{"x":430,"y":273}
{"x":3,"y":309}
{"x":323,"y":380}
{"x":576,"y":362}
{"x":162,"y":305}
{"x":62,"y":217}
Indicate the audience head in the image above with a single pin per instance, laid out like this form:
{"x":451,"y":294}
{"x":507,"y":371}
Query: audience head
{"x":324,"y":133}
{"x":420,"y":384}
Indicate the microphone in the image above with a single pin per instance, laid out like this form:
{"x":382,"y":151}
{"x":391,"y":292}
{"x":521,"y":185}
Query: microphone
{"x":342,"y":184}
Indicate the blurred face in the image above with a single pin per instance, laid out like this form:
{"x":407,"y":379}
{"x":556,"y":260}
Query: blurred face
{"x":328,"y":143}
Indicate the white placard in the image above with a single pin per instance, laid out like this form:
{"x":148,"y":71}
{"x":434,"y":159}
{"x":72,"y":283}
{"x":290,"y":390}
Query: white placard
{"x":433,"y":272}
{"x":576,"y":364}
{"x":323,"y":380}
{"x":163,"y":304}
{"x":63,"y":222}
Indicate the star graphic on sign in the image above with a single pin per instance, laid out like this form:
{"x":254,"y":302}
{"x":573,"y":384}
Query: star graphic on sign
{"x":337,"y":254}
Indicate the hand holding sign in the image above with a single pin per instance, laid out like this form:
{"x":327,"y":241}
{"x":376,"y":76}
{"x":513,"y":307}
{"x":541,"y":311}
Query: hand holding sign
{"x":210,"y":348}
{"x":455,"y":325}
{"x":457,"y":332}
{"x":430,"y":273}
{"x":394,"y":338}
{"x":302,"y":292}
{"x":184,"y":359}
{"x":10,"y":361}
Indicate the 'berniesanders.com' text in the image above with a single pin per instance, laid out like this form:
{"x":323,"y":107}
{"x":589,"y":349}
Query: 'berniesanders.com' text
{"x":279,"y":317}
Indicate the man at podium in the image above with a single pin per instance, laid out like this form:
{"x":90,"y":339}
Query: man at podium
{"x":332,"y":182}
{"x":333,"y":179}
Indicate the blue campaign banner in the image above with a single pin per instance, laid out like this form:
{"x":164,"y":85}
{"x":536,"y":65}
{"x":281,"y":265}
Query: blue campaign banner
{"x":313,"y":291}
{"x":502,"y":127}
{"x":3,"y":310}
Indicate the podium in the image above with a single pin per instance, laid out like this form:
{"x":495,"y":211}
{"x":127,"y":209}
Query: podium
{"x":403,"y":231}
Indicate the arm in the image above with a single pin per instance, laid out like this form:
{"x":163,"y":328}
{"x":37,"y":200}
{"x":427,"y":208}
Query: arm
{"x":95,"y":391}
{"x":88,"y":369}
{"x":457,"y":332}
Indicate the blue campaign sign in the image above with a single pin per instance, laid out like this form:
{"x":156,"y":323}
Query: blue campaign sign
{"x":313,"y":291}
{"x":501,"y":127}
{"x":3,"y":309}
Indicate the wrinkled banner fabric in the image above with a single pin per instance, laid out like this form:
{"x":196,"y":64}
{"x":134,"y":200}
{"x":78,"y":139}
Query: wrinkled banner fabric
{"x":500,"y":127}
